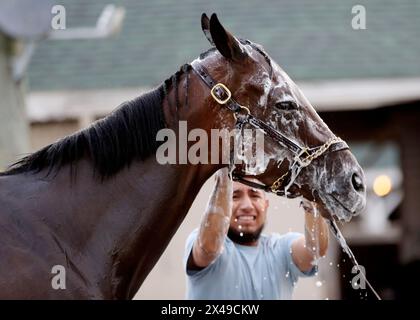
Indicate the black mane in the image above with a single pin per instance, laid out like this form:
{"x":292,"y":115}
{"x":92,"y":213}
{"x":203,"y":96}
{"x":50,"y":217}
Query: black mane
{"x":126,"y":134}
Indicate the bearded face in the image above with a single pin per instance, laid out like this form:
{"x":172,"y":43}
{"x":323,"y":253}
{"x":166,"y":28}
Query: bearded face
{"x":249,"y":212}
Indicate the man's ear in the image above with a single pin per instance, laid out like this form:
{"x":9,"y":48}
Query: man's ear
{"x":226,"y":43}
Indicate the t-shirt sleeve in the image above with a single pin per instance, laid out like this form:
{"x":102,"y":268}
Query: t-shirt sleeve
{"x":188,"y":248}
{"x":284,"y":247}
{"x":195,"y":274}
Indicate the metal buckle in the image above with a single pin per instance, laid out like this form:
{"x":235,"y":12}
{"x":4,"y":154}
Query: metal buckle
{"x":241,"y":108}
{"x":305,"y":161}
{"x":227,"y":91}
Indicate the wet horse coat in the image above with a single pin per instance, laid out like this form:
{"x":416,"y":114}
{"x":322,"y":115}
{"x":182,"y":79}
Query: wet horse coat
{"x":98,"y":202}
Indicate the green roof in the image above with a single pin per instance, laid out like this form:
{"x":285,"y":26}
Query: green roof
{"x":311,"y":40}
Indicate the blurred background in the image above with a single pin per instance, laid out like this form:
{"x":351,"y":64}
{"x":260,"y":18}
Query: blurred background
{"x":58,"y":76}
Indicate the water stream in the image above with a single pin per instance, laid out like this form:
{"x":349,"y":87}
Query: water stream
{"x":340,"y":238}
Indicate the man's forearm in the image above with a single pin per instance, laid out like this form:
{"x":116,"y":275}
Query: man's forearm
{"x":215,"y":222}
{"x":306,"y":250}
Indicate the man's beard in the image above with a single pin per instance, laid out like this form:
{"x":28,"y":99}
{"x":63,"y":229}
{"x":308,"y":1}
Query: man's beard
{"x":246,"y":237}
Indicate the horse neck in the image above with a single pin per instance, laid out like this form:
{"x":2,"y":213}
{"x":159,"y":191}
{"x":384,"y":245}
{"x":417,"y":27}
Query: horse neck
{"x":124,"y":223}
{"x":157,"y":208}
{"x":116,"y":230}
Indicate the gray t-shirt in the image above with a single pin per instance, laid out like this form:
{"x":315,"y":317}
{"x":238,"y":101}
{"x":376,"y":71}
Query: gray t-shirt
{"x":266,"y":271}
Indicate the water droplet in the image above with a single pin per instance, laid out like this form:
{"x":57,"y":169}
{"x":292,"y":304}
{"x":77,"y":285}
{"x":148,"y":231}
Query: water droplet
{"x":236,"y":287}
{"x":241,"y":234}
{"x":331,"y":263}
{"x":287,"y":274}
{"x":318,"y":284}
{"x":265,"y":278}
{"x":240,"y":227}
{"x":314,"y":248}
{"x":338,"y":265}
{"x":262,"y":296}
{"x":327,"y":299}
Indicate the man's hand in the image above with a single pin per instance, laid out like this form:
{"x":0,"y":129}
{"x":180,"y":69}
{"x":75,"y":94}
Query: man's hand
{"x":306,"y":250}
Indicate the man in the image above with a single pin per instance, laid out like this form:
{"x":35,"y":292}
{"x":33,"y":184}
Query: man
{"x":229,"y":258}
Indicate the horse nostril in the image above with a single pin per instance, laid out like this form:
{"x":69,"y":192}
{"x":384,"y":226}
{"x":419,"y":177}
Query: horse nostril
{"x":357,"y":182}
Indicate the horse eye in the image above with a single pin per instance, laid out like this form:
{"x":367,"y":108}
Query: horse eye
{"x":286,"y":105}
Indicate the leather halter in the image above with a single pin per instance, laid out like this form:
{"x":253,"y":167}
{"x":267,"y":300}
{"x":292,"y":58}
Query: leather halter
{"x":303,"y":156}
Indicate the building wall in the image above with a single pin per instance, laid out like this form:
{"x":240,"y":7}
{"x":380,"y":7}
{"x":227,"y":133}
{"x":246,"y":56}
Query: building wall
{"x":42,"y":134}
{"x":13,"y":125}
{"x":410,"y":157}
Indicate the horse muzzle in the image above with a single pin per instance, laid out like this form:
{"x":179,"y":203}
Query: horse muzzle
{"x":343,"y":187}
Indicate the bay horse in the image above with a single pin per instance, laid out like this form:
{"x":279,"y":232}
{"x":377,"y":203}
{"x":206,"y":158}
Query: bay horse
{"x":99,"y":204}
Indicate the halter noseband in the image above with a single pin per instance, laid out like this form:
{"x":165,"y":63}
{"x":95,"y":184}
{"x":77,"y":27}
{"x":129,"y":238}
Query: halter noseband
{"x":303,"y":156}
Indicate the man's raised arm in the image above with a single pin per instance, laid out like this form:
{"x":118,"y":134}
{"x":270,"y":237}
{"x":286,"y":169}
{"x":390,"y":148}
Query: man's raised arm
{"x":214,"y":224}
{"x":306,"y":250}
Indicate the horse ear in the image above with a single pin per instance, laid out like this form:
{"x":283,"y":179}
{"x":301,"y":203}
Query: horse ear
{"x":205,"y":26}
{"x":226,"y":43}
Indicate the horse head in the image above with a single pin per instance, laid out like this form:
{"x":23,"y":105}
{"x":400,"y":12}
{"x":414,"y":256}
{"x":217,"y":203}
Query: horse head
{"x":302,"y":157}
